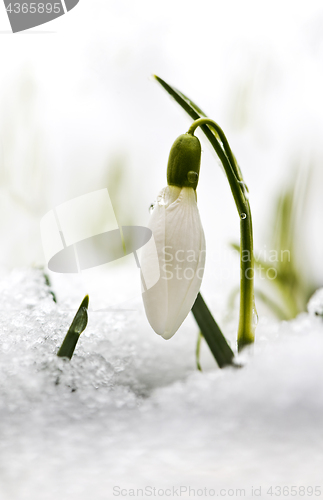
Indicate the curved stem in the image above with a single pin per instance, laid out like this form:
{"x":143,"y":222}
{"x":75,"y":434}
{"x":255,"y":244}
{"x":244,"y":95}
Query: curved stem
{"x":247,"y":314}
{"x":222,"y":137}
{"x":227,"y":159}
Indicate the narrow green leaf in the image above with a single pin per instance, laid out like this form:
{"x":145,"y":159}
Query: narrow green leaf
{"x":198,"y":351}
{"x":210,"y":330}
{"x":48,"y":283}
{"x":78,"y":325}
{"x":216,"y":138}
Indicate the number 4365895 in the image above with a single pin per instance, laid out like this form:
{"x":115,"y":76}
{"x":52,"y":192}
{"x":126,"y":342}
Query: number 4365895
{"x":33,"y":8}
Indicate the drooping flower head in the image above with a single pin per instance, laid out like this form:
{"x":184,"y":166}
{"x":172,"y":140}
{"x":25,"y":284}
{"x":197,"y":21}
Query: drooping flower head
{"x":180,"y":243}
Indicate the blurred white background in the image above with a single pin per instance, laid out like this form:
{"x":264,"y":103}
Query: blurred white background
{"x":79,"y":111}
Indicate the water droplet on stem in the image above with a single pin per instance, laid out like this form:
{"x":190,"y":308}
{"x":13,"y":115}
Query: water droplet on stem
{"x":255,"y":317}
{"x":192,"y":176}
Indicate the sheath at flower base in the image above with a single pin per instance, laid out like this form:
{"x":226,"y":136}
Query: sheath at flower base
{"x":179,"y":238}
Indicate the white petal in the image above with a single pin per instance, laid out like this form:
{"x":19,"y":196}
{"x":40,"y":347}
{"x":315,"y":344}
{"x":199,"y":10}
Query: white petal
{"x":180,"y":242}
{"x":155,"y":298}
{"x":185,"y":233}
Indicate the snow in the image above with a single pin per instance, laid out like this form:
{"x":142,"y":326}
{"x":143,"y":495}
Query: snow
{"x":315,"y":305}
{"x":130,"y":410}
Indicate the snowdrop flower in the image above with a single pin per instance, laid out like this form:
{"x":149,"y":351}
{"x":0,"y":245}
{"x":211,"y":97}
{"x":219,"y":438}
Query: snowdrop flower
{"x":179,"y":238}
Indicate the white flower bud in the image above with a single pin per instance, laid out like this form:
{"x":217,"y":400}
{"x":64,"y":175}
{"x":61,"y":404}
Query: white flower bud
{"x":179,"y":238}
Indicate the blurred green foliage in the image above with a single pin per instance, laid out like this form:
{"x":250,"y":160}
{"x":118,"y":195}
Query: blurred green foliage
{"x":285,"y":265}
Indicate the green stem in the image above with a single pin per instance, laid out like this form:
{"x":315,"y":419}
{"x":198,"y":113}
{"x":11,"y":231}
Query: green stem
{"x":247,"y":314}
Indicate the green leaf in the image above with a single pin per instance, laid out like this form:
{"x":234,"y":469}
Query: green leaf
{"x":198,"y":351}
{"x":216,"y":138}
{"x":78,"y":326}
{"x":210,"y":330}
